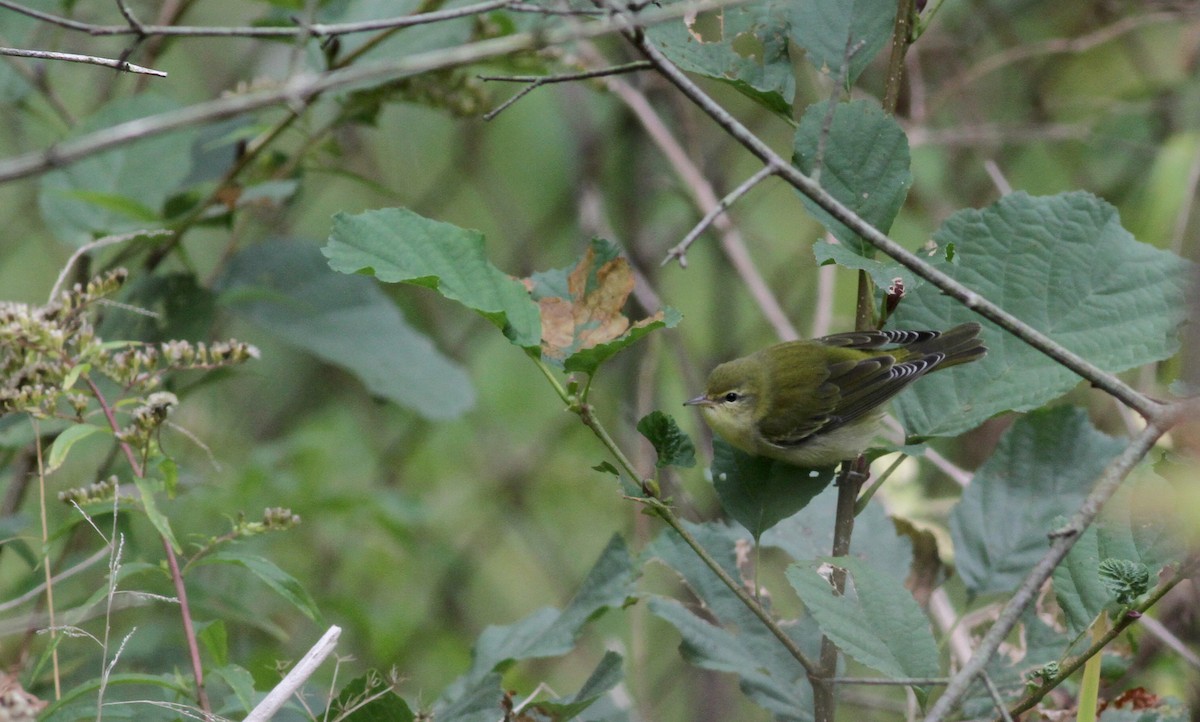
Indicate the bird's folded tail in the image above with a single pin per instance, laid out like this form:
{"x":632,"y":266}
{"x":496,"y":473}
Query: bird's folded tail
{"x":959,"y":345}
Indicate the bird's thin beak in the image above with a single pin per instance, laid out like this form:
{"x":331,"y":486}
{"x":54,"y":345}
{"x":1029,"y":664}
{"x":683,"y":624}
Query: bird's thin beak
{"x":698,"y":401}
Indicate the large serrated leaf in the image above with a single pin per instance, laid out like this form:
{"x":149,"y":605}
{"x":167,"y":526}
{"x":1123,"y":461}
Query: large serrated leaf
{"x":1064,"y":265}
{"x":137,"y":176}
{"x":745,"y":46}
{"x":864,"y":163}
{"x":399,"y":246}
{"x":604,"y":677}
{"x":1128,"y":529}
{"x":880,"y":625}
{"x":829,"y":30}
{"x":759,"y":492}
{"x":546,"y":632}
{"x":741,"y":645}
{"x":550,"y":633}
{"x":1041,"y":470}
{"x":808,"y":534}
{"x":287,"y":289}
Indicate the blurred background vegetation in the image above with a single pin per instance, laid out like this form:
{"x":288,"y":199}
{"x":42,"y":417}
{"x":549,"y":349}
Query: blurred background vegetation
{"x":419,"y":531}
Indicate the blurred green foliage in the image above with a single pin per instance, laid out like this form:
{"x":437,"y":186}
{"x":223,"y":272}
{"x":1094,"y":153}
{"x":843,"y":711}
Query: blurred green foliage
{"x":441,"y":488}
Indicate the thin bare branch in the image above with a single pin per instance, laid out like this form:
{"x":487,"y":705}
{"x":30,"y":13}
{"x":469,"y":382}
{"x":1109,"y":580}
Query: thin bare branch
{"x":1100,"y":378}
{"x":890,"y":681}
{"x":300,"y":88}
{"x":995,"y":695}
{"x":86,"y":59}
{"x":705,"y":198}
{"x":318,"y":30}
{"x":536,"y":81}
{"x":679,"y":252}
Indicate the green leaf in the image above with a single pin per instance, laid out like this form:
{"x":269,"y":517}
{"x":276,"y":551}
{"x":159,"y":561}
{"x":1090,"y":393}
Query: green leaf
{"x":1043,"y":467}
{"x":673,"y":446}
{"x":242,"y":684}
{"x":62,"y":710}
{"x":288,"y":290}
{"x":68,"y":438}
{"x":745,"y":46}
{"x":880,"y":624}
{"x":1077,"y":586}
{"x":470,"y":700}
{"x":769,"y":683}
{"x":864,"y":164}
{"x":827,"y":29}
{"x":606,"y":676}
{"x":739,"y":644}
{"x":1130,"y":528}
{"x":1062,"y":264}
{"x":98,"y":195}
{"x":883,"y":273}
{"x":759,"y":492}
{"x":282,"y":583}
{"x":809,"y":535}
{"x":212,"y":635}
{"x":544,"y":633}
{"x":386,"y":706}
{"x":148,"y":488}
{"x":1126,"y":580}
{"x":396,"y":245}
{"x":550,"y":633}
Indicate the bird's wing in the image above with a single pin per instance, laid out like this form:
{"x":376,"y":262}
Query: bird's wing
{"x":853,"y":389}
{"x":875,"y":339}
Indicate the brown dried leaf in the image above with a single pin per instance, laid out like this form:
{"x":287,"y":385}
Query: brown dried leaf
{"x":558,"y":325}
{"x":592,"y":315}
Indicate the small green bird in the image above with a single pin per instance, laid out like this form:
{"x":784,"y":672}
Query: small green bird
{"x":817,"y":403}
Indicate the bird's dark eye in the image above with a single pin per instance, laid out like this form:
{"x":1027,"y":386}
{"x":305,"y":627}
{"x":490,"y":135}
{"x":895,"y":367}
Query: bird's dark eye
{"x":731,"y":397}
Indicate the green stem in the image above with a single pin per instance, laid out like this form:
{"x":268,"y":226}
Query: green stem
{"x":1070,"y":666}
{"x":925,"y":19}
{"x":878,"y":482}
{"x":1089,"y":688}
{"x":587,"y":415}
{"x":664,"y":512}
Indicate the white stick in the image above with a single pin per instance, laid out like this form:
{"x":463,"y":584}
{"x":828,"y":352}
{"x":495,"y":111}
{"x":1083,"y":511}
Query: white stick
{"x":299,"y":674}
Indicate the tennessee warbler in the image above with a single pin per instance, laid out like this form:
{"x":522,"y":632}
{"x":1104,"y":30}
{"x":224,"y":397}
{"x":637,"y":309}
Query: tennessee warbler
{"x":817,"y":403}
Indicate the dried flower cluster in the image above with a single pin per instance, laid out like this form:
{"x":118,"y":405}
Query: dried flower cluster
{"x":275,"y":518}
{"x":100,"y":491}
{"x":45,"y":350}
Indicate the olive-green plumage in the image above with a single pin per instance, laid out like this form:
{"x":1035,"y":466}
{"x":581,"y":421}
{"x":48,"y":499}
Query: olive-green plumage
{"x":819,"y":402}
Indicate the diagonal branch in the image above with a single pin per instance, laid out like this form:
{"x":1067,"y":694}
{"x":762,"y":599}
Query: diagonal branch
{"x":302,"y":87}
{"x":1110,"y":479}
{"x":1100,"y":378}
